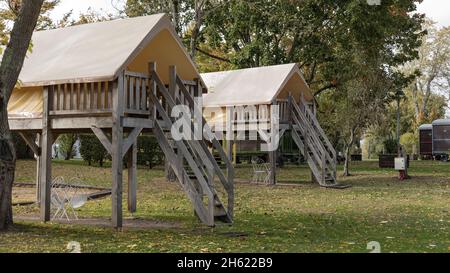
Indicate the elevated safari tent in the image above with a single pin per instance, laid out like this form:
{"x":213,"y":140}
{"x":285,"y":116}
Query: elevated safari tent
{"x":118,"y":79}
{"x":243,"y":100}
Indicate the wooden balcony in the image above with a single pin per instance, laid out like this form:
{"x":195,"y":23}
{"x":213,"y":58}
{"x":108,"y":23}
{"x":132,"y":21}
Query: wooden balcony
{"x":83,"y":105}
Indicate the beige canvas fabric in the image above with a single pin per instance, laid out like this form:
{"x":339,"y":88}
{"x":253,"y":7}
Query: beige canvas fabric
{"x":97,"y":52}
{"x":253,"y":86}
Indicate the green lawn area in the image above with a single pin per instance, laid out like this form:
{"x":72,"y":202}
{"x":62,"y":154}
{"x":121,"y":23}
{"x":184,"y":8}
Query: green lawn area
{"x":409,"y":216}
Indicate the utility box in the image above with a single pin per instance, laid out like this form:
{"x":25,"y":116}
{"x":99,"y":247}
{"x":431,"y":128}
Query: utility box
{"x":400,"y":163}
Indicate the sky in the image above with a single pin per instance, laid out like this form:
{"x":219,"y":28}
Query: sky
{"x":438,"y":10}
{"x":80,"y":6}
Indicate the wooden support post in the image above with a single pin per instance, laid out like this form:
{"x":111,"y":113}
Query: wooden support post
{"x":151,"y":68}
{"x":273,"y":153}
{"x":273,"y":167}
{"x":229,"y":134}
{"x":132,"y":177}
{"x":234,"y":153}
{"x":46,"y":160}
{"x":116,"y":152}
{"x":38,"y":170}
{"x":168,"y":170}
{"x":313,"y":178}
{"x":173,"y":82}
{"x":198,"y":92}
{"x":174,"y":92}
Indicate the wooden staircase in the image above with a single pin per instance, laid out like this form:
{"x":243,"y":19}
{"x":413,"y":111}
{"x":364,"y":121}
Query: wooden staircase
{"x":192,"y":160}
{"x":314,"y":144}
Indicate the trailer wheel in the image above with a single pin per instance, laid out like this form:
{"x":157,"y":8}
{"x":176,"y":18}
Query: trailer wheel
{"x":444,"y":158}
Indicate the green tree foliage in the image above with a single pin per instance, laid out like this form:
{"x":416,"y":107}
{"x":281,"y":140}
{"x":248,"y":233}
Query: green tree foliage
{"x":9,"y":9}
{"x":322,"y":36}
{"x":66,"y":145}
{"x":149,"y":152}
{"x":409,"y":142}
{"x":188,"y":16}
{"x":433,"y":69}
{"x":92,"y":150}
{"x":390,"y":146}
{"x":172,"y":7}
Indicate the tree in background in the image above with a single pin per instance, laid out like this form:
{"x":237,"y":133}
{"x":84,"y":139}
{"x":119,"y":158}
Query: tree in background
{"x":92,"y":150}
{"x":10,"y":67}
{"x":66,"y":145}
{"x":9,"y":10}
{"x":433,"y":70}
{"x":149,"y":152}
{"x":356,"y":105}
{"x":188,"y":16}
{"x":321,"y":36}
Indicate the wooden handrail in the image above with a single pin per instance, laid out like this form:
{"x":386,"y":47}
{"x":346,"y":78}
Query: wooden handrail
{"x":319,"y":128}
{"x":168,"y":121}
{"x":196,"y":146}
{"x":204,"y":123}
{"x":227,"y":183}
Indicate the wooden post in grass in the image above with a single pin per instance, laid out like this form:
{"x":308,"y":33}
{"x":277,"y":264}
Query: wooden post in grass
{"x":45,"y":179}
{"x":116,"y":151}
{"x":132,"y":177}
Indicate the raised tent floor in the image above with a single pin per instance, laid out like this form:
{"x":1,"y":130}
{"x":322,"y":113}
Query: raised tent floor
{"x":246,"y":99}
{"x":119,"y":79}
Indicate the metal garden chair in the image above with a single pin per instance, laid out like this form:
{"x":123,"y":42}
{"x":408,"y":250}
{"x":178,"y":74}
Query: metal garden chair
{"x":65,"y":199}
{"x":59,"y":199}
{"x":261,"y":171}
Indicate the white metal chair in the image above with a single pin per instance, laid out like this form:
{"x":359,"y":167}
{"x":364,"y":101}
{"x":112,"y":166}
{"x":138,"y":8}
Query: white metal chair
{"x":59,"y":199}
{"x":76,"y":200}
{"x":65,"y":198}
{"x":261,"y":171}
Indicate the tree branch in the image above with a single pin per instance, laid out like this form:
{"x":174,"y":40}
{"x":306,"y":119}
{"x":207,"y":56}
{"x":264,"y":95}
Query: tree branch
{"x":318,"y":92}
{"x":212,"y":55}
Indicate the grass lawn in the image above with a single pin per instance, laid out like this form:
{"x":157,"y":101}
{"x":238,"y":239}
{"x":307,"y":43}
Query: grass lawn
{"x":411,"y":216}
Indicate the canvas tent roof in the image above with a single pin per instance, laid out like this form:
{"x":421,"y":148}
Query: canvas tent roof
{"x":90,"y":52}
{"x":251,"y":86}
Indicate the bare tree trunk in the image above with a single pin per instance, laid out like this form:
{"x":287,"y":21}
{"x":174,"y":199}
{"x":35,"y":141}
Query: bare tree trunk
{"x":416,"y":101}
{"x":7,"y":166}
{"x":11,"y":65}
{"x":176,"y":15}
{"x":348,"y":147}
{"x":69,"y":152}
{"x":194,"y":37}
{"x":199,"y":6}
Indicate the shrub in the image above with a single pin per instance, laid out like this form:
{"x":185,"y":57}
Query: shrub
{"x":91,"y":150}
{"x":149,"y":152}
{"x":390,"y":146}
{"x":409,"y":142}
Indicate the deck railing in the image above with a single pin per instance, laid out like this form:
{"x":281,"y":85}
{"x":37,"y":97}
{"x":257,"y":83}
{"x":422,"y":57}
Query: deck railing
{"x":81,"y":98}
{"x":90,"y":99}
{"x":136,"y":93}
{"x":284,"y":110}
